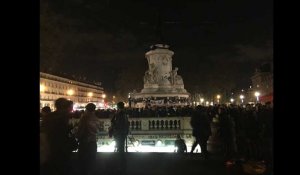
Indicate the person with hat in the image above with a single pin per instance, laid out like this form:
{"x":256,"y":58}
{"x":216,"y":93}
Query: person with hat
{"x":88,"y":128}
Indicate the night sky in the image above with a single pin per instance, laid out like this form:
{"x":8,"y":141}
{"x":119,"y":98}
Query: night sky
{"x":217,"y":44}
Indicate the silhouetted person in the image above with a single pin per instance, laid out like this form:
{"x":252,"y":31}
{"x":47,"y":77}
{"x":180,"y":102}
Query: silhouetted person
{"x":87,"y":134}
{"x":120,"y":127}
{"x":201,"y":129}
{"x":56,"y":126}
{"x":44,"y":112}
{"x":226,"y":134}
{"x":180,"y":144}
{"x":44,"y":148}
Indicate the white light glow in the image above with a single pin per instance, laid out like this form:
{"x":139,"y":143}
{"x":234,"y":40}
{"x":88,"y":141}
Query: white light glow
{"x":137,"y":147}
{"x":70,"y":92}
{"x":42,"y":88}
{"x":90,"y":94}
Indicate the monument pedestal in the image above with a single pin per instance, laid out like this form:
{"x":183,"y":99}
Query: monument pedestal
{"x":160,"y":80}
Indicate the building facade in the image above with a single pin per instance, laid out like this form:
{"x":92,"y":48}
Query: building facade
{"x":262,"y":82}
{"x":53,"y":87}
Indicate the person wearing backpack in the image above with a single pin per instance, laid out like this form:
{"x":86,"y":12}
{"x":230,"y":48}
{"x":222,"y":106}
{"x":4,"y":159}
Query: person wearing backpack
{"x":120,"y":127}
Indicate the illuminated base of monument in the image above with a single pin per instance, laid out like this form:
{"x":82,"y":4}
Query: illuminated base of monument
{"x":166,"y":146}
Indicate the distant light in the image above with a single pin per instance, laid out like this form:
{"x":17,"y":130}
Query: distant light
{"x":103,"y":96}
{"x":257,"y":94}
{"x":211,"y":103}
{"x":242,"y":97}
{"x":207,"y":103}
{"x":201,"y":100}
{"x":218,"y":96}
{"x":159,"y":143}
{"x":70,"y":92}
{"x":231,"y":100}
{"x":42,"y":88}
{"x":90,"y":94}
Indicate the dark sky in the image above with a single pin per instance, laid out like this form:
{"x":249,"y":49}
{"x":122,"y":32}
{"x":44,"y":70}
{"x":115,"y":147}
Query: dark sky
{"x":217,"y":44}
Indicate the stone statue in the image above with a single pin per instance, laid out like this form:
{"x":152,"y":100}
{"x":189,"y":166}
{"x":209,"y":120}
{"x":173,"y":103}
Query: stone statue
{"x":154,"y":73}
{"x":174,"y":78}
{"x":178,"y":80}
{"x":148,"y":77}
{"x":173,"y":75}
{"x":165,"y":60}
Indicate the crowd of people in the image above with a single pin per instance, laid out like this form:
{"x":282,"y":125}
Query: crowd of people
{"x":244,"y":131}
{"x":59,"y":138}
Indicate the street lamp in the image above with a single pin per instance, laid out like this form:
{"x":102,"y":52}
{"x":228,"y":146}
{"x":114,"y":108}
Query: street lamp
{"x":218,"y":97}
{"x":103,"y":97}
{"x":207,"y":103}
{"x":129,"y":100}
{"x":201,"y":100}
{"x":257,"y":94}
{"x":242,"y":98}
{"x":114,"y":97}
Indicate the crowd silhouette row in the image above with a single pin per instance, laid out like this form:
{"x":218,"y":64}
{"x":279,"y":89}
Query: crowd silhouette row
{"x":243,"y":132}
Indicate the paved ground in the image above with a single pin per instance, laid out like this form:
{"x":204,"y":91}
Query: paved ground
{"x":156,"y":164}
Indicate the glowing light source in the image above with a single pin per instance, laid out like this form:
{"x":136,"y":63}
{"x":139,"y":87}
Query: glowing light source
{"x":159,"y":143}
{"x":201,"y":100}
{"x":90,"y":94}
{"x":103,"y":95}
{"x":42,"y":88}
{"x":218,"y":97}
{"x":231,"y":100}
{"x":242,"y":98}
{"x":70,"y":92}
{"x":257,"y":94}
